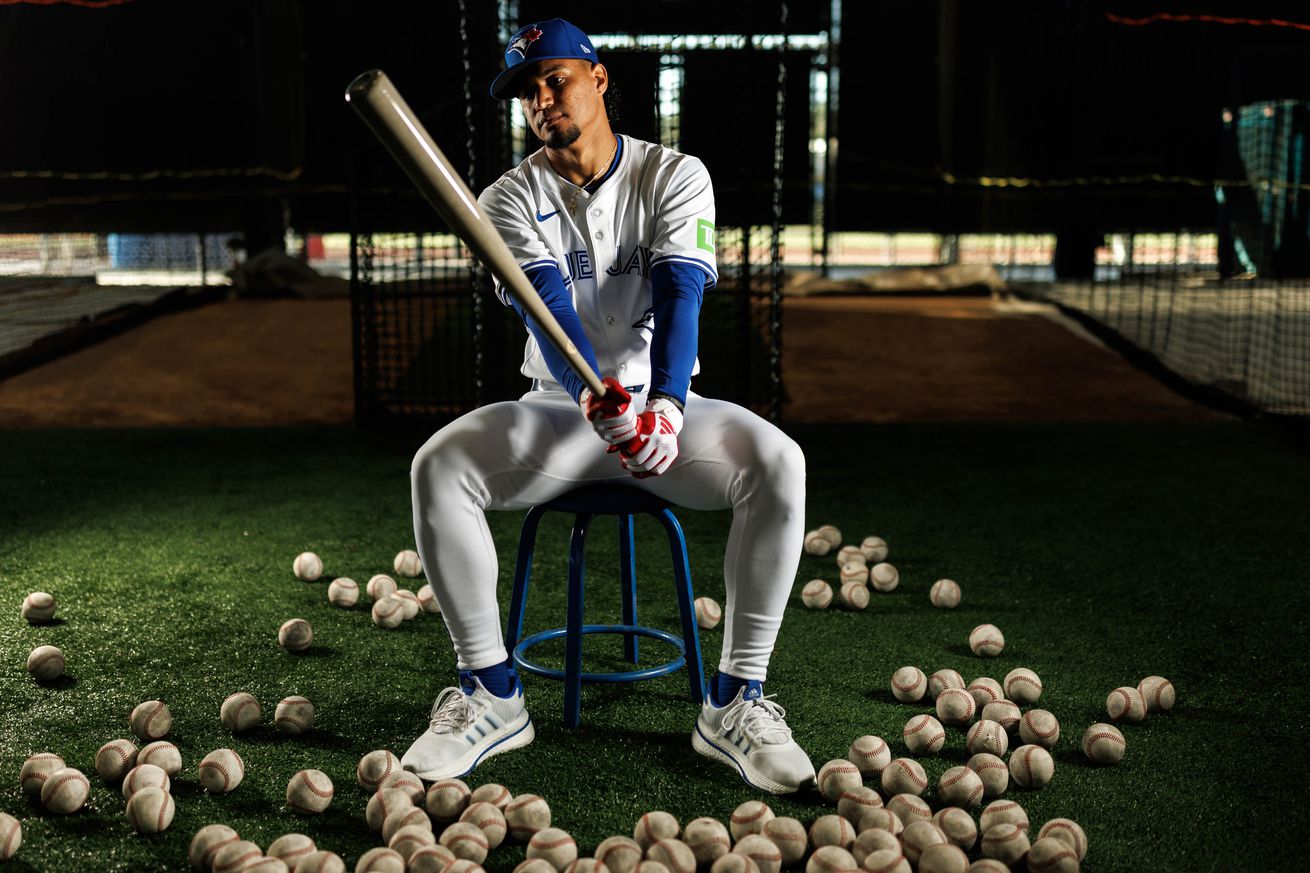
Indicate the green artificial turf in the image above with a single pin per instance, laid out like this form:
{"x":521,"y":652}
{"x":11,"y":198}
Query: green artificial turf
{"x":1104,"y":552}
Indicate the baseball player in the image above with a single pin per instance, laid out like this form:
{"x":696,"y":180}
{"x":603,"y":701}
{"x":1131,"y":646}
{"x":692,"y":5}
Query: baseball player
{"x":617,"y":236}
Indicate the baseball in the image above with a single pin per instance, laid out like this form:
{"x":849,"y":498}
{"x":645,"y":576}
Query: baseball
{"x":206,"y":843}
{"x":817,"y":544}
{"x":831,"y":830}
{"x":832,"y":533}
{"x":525,"y":815}
{"x":407,"y":564}
{"x":554,"y":845}
{"x":618,"y":854}
{"x":1002,"y":812}
{"x":883,"y":577}
{"x":294,"y":715}
{"x":408,"y":602}
{"x":960,"y":786}
{"x":380,"y":586}
{"x":162,"y":754}
{"x":309,"y":792}
{"x":427,"y":601}
{"x":1005,"y":713}
{"x":880,"y":819}
{"x":1158,"y":692}
{"x":909,"y":808}
{"x":677,"y":856}
{"x":874,"y":549}
{"x":343,"y":592}
{"x":924,"y":735}
{"x":1067,"y":830}
{"x":1006,"y":843}
{"x":854,"y":572}
{"x":854,"y":595}
{"x":1126,"y":704}
{"x":36,"y":769}
{"x":837,"y":777}
{"x":909,"y":684}
{"x":1039,"y":727}
{"x":987,"y":736}
{"x":851,"y":555}
{"x":404,"y":817}
{"x":38,"y":607}
{"x":831,"y":859}
{"x":1022,"y":686}
{"x":435,"y":859}
{"x":918,"y":836}
{"x":46,"y":663}
{"x":295,"y":635}
{"x":870,"y":754}
{"x":321,"y":861}
{"x":873,"y":840}
{"x":988,"y":865}
{"x":1103,"y":744}
{"x":945,"y":593}
{"x":489,"y":818}
{"x":493,"y":793}
{"x":384,"y":803}
{"x":290,"y":848}
{"x":986,"y":640}
{"x":115,"y":758}
{"x":762,"y":850}
{"x":221,"y":771}
{"x":1031,"y":766}
{"x":407,"y":782}
{"x":955,"y":706}
{"x":65,"y":791}
{"x":239,"y":712}
{"x":885,"y":861}
{"x":816,"y":594}
{"x":307,"y":566}
{"x":1050,"y":855}
{"x":150,"y":810}
{"x":374,"y":767}
{"x":789,"y":835}
{"x":985,"y":691}
{"x":853,"y":804}
{"x":943,"y":679}
{"x":958,"y":826}
{"x":11,"y":836}
{"x":145,"y":776}
{"x":447,"y":799}
{"x":993,"y":772}
{"x":388,"y":612}
{"x":943,"y":858}
{"x":236,"y":855}
{"x":653,"y":827}
{"x":708,"y":613}
{"x":381,"y":859}
{"x":266,"y":865}
{"x":749,"y":818}
{"x":708,"y":839}
{"x":151,"y":720}
{"x":904,"y":776}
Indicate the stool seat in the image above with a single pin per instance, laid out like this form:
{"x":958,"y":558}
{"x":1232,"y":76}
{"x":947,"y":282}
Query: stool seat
{"x":585,"y":503}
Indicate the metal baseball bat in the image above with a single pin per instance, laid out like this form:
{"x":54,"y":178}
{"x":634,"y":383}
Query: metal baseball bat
{"x":378,"y":102}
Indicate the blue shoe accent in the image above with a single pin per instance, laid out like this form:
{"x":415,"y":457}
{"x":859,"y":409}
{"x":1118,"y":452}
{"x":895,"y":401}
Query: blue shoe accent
{"x":726,"y":686}
{"x":490,"y":750}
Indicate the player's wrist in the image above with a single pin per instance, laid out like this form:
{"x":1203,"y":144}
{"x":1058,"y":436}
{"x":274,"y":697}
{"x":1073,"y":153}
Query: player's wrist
{"x":662,"y":395}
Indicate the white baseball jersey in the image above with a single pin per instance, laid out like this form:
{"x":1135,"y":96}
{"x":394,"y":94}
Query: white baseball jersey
{"x":656,"y":206}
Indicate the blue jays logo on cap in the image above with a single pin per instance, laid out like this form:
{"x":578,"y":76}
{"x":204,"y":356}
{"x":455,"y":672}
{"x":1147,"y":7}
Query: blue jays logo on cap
{"x":544,"y":40}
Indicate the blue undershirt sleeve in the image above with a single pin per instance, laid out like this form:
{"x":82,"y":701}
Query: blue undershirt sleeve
{"x":549,"y":283}
{"x":677,"y":290}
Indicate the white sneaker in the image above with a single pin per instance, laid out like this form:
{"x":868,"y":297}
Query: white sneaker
{"x":468,"y":724}
{"x":751,"y":735}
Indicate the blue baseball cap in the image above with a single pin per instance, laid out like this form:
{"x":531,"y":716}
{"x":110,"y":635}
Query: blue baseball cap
{"x":545,"y":40}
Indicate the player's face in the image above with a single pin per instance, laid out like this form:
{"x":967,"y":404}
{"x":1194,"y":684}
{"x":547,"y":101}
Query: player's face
{"x":562,"y":98}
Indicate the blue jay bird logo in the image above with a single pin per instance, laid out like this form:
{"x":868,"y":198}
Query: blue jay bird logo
{"x":524,"y":40}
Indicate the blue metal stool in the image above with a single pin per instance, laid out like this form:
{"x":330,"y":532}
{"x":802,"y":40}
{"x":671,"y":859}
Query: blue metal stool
{"x":585,"y":503}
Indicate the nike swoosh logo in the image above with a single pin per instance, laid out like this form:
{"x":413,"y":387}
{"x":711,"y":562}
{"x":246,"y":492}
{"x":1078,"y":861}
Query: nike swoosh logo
{"x":541,"y":217}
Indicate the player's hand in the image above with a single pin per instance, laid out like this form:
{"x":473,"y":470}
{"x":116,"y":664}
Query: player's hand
{"x":611,"y":416}
{"x":655,"y":447}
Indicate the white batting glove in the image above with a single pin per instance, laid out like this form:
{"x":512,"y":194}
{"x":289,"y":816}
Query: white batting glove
{"x":655,"y":447}
{"x":611,"y":416}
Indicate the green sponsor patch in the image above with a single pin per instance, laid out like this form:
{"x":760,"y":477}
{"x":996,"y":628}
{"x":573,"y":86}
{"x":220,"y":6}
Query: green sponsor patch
{"x":705,"y":235}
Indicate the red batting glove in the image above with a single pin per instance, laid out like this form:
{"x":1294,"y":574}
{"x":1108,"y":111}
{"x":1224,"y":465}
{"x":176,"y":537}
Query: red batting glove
{"x":611,"y":416}
{"x":655,"y":447}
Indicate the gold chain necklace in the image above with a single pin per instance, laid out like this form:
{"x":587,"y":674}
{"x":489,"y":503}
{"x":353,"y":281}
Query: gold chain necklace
{"x":573,"y":200}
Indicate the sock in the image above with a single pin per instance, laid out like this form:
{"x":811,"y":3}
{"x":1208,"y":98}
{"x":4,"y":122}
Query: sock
{"x":499,"y":679}
{"x":725,"y":688}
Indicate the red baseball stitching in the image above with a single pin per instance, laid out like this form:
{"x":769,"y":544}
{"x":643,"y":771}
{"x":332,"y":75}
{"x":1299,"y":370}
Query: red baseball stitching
{"x":998,"y":838}
{"x":554,"y":844}
{"x":1027,"y":720}
{"x":892,"y":866}
{"x":1053,"y":860}
{"x":151,"y":718}
{"x":1061,"y":826}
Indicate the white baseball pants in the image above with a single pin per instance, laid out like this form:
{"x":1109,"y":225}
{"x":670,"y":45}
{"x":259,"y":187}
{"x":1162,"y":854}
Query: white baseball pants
{"x":517,"y":454}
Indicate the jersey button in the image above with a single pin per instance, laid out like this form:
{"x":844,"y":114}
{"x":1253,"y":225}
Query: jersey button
{"x":597,"y":212}
{"x":609,"y":320}
{"x":600,"y":234}
{"x":622,"y":367}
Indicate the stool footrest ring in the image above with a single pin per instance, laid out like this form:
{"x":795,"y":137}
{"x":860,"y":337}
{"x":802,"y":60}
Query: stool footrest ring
{"x":677,"y":663}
